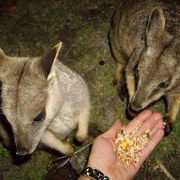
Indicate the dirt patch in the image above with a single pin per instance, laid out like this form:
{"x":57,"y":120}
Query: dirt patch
{"x":31,"y":28}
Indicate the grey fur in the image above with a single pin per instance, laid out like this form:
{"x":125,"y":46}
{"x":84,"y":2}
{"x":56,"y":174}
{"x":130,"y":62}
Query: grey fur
{"x":31,"y":86}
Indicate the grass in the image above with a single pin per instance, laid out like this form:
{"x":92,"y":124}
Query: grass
{"x":33,"y":28}
{"x":34,"y":167}
{"x":3,"y":151}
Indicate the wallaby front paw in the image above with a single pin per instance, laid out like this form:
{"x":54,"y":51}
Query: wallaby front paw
{"x":122,"y":91}
{"x":69,"y":150}
{"x":168,"y":127}
{"x":116,"y":78}
{"x":121,"y":84}
{"x":81,"y":137}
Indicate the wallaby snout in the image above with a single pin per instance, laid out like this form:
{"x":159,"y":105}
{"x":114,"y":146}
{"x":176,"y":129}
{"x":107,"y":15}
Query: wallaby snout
{"x":23,"y":141}
{"x":135,"y":106}
{"x":21,"y":151}
{"x":139,"y":101}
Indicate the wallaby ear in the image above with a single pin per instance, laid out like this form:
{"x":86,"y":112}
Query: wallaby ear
{"x":177,"y":51}
{"x":1,"y":54}
{"x":133,"y":61}
{"x":46,"y":62}
{"x":156,"y":21}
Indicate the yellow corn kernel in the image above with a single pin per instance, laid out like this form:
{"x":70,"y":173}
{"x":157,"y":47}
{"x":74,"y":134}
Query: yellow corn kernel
{"x":125,"y":144}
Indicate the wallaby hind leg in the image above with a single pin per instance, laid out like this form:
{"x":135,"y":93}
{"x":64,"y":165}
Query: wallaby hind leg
{"x":82,"y":131}
{"x":50,"y":140}
{"x":173,"y":108}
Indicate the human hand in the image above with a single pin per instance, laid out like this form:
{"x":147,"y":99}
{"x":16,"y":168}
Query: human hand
{"x":104,"y":158}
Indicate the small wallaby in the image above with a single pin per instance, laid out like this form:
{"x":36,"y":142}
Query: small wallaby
{"x":43,"y":101}
{"x":145,"y":40}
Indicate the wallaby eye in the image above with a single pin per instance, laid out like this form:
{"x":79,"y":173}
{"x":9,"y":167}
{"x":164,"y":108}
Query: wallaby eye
{"x":164,"y":84}
{"x":136,"y":72}
{"x":39,"y":117}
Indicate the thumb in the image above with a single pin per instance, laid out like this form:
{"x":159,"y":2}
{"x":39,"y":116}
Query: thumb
{"x":111,"y":133}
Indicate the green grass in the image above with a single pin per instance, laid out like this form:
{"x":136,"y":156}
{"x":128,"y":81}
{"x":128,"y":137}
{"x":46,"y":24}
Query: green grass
{"x":83,"y":27}
{"x":3,"y":151}
{"x":34,"y":167}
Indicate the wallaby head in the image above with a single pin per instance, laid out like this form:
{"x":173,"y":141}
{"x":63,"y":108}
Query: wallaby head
{"x":155,"y":65}
{"x":24,"y":96}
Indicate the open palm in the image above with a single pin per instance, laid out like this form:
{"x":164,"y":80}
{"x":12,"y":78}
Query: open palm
{"x":103,"y":156}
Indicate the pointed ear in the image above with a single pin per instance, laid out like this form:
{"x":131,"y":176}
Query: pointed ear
{"x":177,"y":51}
{"x":133,"y":61}
{"x":1,"y":54}
{"x":47,"y":61}
{"x":156,"y":21}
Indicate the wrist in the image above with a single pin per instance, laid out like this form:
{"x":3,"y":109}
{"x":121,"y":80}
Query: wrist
{"x":102,"y":169}
{"x":93,"y":174}
{"x":83,"y":177}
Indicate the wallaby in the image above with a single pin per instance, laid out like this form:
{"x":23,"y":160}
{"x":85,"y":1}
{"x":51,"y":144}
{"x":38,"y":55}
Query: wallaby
{"x":43,"y":101}
{"x":145,"y":40}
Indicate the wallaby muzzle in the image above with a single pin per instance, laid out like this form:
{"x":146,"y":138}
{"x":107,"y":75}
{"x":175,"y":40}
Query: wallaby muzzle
{"x":22,"y":152}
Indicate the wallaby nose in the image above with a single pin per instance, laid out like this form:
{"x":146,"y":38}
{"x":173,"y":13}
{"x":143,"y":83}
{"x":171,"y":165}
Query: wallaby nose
{"x":135,"y":106}
{"x":132,"y":110}
{"x":21,"y":153}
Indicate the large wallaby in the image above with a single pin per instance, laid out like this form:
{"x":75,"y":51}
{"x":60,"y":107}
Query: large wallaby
{"x":145,"y":40}
{"x":43,"y":101}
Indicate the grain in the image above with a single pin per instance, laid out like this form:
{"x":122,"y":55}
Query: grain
{"x":129,"y":146}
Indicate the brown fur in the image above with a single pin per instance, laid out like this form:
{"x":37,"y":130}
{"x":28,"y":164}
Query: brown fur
{"x":145,"y":40}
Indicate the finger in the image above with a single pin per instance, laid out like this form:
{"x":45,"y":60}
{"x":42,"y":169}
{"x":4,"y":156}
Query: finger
{"x":111,"y":133}
{"x":151,"y":122}
{"x":159,"y":125}
{"x":138,"y":120}
{"x":155,"y":139}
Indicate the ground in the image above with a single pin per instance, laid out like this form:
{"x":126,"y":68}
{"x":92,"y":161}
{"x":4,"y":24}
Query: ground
{"x":32,"y":28}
